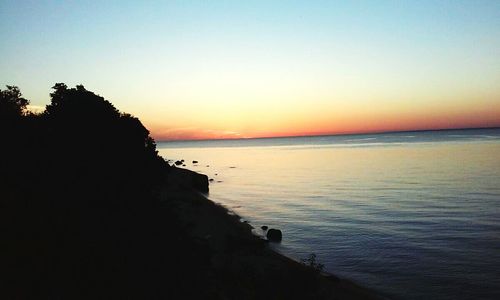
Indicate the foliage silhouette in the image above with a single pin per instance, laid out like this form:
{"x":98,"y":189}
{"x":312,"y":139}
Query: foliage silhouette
{"x":313,"y":263}
{"x":78,"y":207}
{"x":12,"y":104}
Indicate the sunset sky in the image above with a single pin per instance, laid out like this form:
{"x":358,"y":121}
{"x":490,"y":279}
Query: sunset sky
{"x":225,"y":69}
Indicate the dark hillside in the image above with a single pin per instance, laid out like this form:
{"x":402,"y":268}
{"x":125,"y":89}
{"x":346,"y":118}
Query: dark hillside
{"x":78,"y":204}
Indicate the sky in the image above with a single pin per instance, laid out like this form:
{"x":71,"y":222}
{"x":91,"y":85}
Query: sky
{"x":242,"y":69}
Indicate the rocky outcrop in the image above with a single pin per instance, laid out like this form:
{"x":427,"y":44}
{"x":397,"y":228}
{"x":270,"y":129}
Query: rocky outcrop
{"x":274,"y":235}
{"x":185,"y":179}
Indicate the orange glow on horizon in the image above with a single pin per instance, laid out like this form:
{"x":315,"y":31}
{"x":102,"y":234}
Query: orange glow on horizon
{"x":322,"y":125}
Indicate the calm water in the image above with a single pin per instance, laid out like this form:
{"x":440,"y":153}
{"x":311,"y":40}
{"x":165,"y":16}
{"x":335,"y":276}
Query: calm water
{"x":413,"y":215}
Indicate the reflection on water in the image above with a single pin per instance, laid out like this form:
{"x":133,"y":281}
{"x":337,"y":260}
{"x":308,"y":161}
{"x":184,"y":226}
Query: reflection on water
{"x":410,"y":219}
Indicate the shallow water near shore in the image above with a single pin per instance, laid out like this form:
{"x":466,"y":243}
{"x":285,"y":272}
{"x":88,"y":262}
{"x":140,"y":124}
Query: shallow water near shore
{"x":412,"y":215}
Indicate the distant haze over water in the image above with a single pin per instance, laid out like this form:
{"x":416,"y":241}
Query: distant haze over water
{"x":413,"y":215}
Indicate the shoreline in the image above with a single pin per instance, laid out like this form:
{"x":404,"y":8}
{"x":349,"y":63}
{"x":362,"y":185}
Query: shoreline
{"x":247,"y":257}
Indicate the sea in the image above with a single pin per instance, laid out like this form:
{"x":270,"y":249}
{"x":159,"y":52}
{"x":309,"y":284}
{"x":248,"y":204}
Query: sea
{"x":411,"y":215}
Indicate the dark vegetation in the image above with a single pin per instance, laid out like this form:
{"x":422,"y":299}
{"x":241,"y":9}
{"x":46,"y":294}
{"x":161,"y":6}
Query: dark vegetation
{"x":312,"y":262}
{"x":80,"y":215}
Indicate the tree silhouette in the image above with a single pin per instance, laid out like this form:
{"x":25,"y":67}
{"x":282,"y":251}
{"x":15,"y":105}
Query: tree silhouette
{"x":98,"y":130}
{"x":77,"y":198}
{"x":12,"y":104}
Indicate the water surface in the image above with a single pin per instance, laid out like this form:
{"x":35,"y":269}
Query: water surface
{"x":413,"y":215}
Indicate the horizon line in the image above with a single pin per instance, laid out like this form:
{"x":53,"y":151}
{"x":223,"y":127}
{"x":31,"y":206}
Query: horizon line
{"x":331,"y":134}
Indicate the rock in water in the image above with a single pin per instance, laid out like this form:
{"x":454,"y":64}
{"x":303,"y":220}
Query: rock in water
{"x":199,"y":182}
{"x":186,"y":179}
{"x":264,"y":227}
{"x":195,"y":161}
{"x":274,"y":235}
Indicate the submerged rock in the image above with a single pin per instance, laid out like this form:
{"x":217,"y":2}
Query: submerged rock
{"x":274,"y":235}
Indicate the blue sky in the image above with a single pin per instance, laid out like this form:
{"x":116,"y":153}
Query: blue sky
{"x":263,"y":67}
